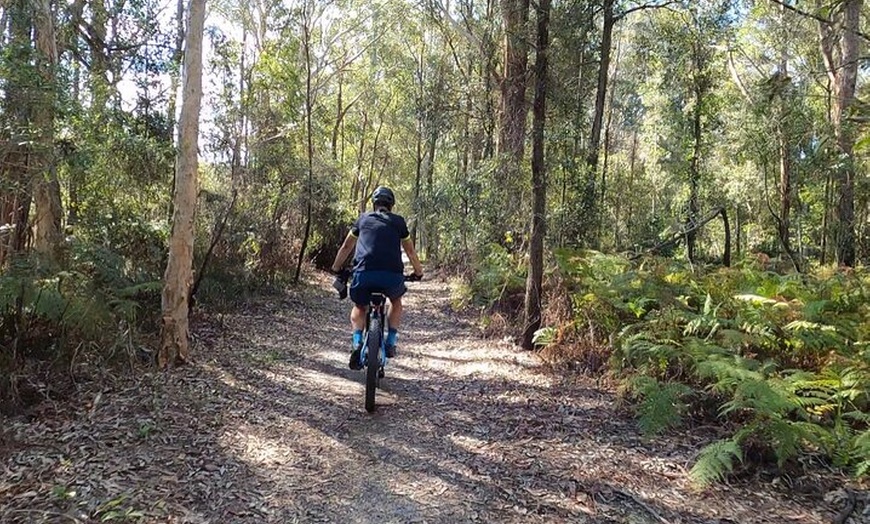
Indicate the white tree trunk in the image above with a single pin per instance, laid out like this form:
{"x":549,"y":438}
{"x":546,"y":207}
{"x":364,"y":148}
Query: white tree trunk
{"x":174,"y":333}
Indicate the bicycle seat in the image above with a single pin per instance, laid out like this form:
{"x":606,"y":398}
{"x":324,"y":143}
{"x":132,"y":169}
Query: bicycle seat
{"x":378,"y":298}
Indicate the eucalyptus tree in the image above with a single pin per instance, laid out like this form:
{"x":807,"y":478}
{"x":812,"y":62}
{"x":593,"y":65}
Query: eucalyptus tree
{"x":534,"y":281}
{"x":46,"y":188}
{"x":841,"y":49}
{"x":686,"y":46}
{"x":178,"y":279}
{"x":28,"y":162}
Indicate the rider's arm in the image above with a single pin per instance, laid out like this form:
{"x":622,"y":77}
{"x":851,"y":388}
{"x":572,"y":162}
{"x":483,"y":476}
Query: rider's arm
{"x":412,"y":256}
{"x":344,"y":251}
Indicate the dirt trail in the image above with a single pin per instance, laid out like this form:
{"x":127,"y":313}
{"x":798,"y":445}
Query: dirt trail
{"x":269,"y":426}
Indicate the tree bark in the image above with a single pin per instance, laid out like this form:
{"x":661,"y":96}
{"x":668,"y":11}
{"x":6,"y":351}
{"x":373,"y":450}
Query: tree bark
{"x":46,"y":188}
{"x":726,"y":254}
{"x":785,"y":163}
{"x":534,"y":282}
{"x":841,"y":49}
{"x":174,"y":333}
{"x":100,"y":62}
{"x":309,"y":104}
{"x":15,"y":164}
{"x":590,"y":211}
{"x":506,"y":185}
{"x":512,"y":131}
{"x":700,"y":87}
{"x":177,"y":56}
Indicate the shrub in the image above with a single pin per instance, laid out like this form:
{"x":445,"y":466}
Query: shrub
{"x":779,"y":358}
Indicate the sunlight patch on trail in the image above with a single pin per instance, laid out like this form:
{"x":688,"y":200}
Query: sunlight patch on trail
{"x":313,"y":382}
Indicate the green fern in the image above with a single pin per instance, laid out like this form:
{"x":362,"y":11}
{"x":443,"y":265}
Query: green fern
{"x":788,"y":438}
{"x":766,"y":398}
{"x":727,"y":372}
{"x":716,"y":461}
{"x":861,"y":454}
{"x":661,"y":405}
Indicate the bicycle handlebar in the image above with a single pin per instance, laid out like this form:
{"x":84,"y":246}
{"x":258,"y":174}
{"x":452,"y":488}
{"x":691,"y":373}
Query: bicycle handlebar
{"x":342,"y":277}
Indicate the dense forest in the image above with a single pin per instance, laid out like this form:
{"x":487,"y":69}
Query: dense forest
{"x":672,"y":193}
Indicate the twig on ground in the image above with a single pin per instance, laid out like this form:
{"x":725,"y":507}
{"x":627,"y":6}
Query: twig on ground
{"x":649,"y":509}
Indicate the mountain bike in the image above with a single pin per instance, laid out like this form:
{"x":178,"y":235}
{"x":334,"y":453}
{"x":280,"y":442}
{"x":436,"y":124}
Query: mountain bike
{"x":373,"y":356}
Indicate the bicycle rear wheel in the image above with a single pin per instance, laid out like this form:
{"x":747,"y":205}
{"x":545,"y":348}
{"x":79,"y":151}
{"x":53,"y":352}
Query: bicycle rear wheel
{"x":373,"y":361}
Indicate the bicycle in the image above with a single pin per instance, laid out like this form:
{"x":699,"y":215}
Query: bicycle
{"x":373,"y":336}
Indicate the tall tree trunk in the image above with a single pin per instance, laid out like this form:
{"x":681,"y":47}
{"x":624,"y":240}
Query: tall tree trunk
{"x":46,"y":188}
{"x":100,"y":62}
{"x":826,"y":218}
{"x":339,"y":116}
{"x":632,"y":166}
{"x":15,"y":163}
{"x":785,"y":163}
{"x":534,"y":282}
{"x":606,"y":162}
{"x":309,"y":196}
{"x":174,"y":333}
{"x":841,"y":48}
{"x":420,"y":125}
{"x":694,"y":166}
{"x":590,"y":211}
{"x":512,"y":123}
{"x":358,"y":196}
{"x":418,"y":180}
{"x":512,"y":131}
{"x":177,"y":56}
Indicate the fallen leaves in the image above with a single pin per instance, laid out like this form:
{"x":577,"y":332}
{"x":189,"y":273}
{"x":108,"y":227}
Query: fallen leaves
{"x":269,"y":427}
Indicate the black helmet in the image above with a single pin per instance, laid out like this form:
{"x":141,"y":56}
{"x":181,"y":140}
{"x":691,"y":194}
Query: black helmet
{"x":384,"y":196}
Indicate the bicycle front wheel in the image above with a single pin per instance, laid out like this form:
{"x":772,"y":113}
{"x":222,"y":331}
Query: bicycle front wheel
{"x":373,"y":362}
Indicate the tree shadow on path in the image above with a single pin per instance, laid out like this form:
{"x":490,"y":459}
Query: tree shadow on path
{"x":269,"y":426}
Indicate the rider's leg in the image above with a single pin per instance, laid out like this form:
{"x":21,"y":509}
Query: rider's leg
{"x":357,"y":323}
{"x":395,"y":312}
{"x":358,"y":317}
{"x":394,"y":319}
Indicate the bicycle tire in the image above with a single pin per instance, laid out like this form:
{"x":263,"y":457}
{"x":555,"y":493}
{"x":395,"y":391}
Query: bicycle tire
{"x":373,"y":362}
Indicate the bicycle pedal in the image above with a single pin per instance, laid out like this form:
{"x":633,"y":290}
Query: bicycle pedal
{"x":381,"y":372}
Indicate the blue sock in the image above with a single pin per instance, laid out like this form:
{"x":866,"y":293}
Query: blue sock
{"x":357,"y":338}
{"x":392,"y":337}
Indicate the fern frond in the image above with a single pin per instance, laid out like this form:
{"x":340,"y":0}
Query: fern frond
{"x":661,"y":406}
{"x":727,"y":371}
{"x":861,"y":453}
{"x":766,"y":397}
{"x":788,"y":438}
{"x":716,"y":461}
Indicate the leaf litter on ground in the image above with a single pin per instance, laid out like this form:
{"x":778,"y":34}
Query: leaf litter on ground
{"x":268,"y":426}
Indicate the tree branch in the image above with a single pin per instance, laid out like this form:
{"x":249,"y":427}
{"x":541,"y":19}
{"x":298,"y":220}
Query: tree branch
{"x":642,"y":7}
{"x":817,"y":18}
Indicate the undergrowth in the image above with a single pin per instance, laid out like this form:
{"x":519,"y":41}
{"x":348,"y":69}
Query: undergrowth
{"x":782,"y":362}
{"x":52,"y":319}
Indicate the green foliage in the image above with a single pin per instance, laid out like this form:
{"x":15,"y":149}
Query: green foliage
{"x":498,"y":275}
{"x":661,"y":404}
{"x":780,"y":357}
{"x":715,"y":461}
{"x":98,"y":302}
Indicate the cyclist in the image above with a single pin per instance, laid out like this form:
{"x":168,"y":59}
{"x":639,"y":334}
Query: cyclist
{"x":377,"y":238}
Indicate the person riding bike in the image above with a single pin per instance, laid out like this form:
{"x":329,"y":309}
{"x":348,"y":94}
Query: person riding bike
{"x":377,"y":238}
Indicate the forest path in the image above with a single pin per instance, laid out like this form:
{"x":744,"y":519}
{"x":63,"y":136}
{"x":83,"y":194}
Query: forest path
{"x":269,"y":426}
